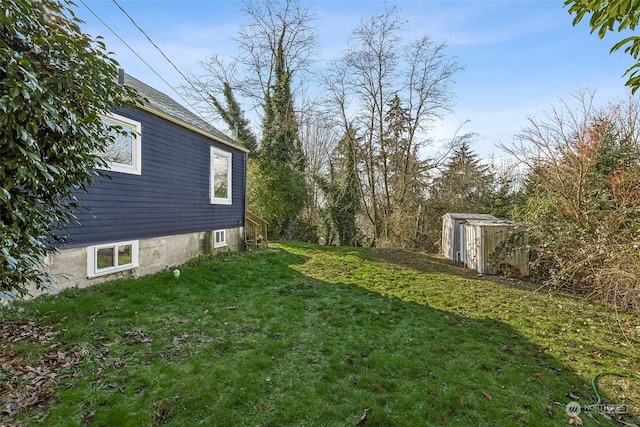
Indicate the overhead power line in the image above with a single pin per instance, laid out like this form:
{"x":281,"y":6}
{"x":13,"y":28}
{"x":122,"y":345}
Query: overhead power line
{"x":140,"y":57}
{"x":150,"y":41}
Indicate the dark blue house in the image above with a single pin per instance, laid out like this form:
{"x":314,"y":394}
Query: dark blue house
{"x":176,"y":189}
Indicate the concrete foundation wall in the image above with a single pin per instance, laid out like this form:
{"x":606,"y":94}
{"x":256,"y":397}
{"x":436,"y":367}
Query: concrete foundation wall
{"x":154,"y":255}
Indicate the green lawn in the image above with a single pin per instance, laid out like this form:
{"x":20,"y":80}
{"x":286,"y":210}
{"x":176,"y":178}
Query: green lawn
{"x":316,"y":336}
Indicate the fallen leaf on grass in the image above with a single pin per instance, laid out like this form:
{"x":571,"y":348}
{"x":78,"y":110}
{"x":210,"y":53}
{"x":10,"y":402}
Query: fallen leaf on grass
{"x":549,"y":411}
{"x":8,"y":360}
{"x":163,"y":413}
{"x":363,"y":418}
{"x":589,"y":415}
{"x":595,"y":354}
{"x":88,"y":417}
{"x":507,"y":349}
{"x":232,"y":307}
{"x":571,"y":395}
{"x":327,"y":316}
{"x":575,"y":420}
{"x":486,"y":395}
{"x":10,"y":409}
{"x":350,"y":359}
{"x":138,"y":337}
{"x":29,"y":387}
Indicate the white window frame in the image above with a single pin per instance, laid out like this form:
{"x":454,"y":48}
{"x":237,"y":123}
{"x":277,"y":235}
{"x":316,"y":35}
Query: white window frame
{"x":220,"y":200}
{"x":222,"y":241}
{"x":136,"y":150}
{"x":92,"y":258}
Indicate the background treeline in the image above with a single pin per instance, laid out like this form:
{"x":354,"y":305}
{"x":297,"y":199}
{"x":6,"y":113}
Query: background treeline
{"x":341,"y":153}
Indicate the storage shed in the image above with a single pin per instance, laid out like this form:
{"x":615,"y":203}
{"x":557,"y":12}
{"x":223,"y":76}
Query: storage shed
{"x":493,"y":246}
{"x":451,"y":247}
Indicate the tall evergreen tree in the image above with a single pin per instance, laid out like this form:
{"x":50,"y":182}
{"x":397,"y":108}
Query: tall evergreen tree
{"x":234,"y":117}
{"x":282,"y":159}
{"x":342,"y":191}
{"x":280,"y":139}
{"x":276,"y":47}
{"x":500,"y":201}
{"x":404,"y":180}
{"x":465,"y":184}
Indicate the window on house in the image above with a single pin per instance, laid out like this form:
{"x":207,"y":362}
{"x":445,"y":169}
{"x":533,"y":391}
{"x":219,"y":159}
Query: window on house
{"x":219,"y":238}
{"x":111,"y":258}
{"x":123,"y":155}
{"x":220,"y":177}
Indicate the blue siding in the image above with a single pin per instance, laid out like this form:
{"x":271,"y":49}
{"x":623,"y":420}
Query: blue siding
{"x":170,"y":197}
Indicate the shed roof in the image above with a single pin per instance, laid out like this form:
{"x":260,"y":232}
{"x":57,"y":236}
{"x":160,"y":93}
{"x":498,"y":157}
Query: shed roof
{"x":493,"y":223}
{"x":161,"y":104}
{"x":469,"y":216}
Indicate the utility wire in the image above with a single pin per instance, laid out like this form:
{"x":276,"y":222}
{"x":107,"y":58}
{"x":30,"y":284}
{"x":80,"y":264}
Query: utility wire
{"x":125,"y":43}
{"x":196,"y":89}
{"x":140,"y":57}
{"x":150,"y":41}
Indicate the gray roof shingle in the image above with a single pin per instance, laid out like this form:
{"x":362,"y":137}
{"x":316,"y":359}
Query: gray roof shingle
{"x":181,"y":115}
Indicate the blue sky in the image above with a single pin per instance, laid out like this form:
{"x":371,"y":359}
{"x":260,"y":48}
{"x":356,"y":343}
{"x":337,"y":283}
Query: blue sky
{"x":520,"y":57}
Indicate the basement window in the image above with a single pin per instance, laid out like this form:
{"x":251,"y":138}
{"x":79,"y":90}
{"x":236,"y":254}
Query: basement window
{"x":219,"y":238}
{"x":111,"y":258}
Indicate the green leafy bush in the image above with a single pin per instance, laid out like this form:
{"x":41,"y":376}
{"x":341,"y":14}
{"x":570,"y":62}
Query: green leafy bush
{"x":54,"y":83}
{"x":583,"y":200}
